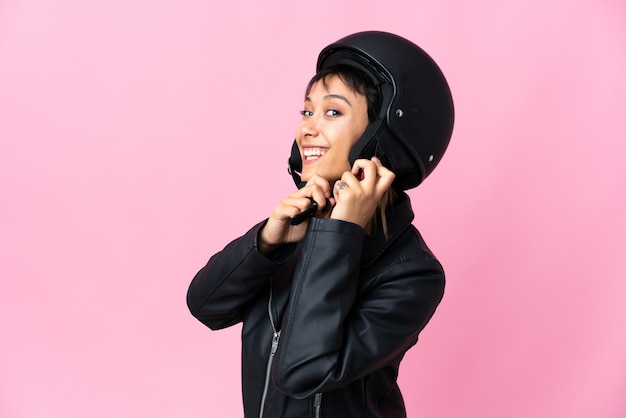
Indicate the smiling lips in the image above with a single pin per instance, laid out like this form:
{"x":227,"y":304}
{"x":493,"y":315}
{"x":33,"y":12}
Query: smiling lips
{"x":312,"y":154}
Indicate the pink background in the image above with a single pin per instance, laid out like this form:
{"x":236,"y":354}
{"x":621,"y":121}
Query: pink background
{"x":139,"y":137}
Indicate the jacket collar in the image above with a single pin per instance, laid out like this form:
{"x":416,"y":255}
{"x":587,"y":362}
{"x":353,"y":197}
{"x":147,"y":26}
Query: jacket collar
{"x":399,"y":218}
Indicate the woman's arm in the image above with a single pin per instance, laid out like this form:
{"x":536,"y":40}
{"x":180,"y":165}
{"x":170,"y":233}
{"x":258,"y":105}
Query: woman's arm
{"x":234,"y":276}
{"x":230,"y":279}
{"x":332,"y":336}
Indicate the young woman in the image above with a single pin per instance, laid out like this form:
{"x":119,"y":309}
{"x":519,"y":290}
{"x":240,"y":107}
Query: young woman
{"x":331,"y":302}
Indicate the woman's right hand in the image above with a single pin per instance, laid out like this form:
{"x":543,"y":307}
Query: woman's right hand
{"x":278,"y":229}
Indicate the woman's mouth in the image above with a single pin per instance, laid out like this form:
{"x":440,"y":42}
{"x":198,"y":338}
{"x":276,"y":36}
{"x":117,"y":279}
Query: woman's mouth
{"x":313,"y":153}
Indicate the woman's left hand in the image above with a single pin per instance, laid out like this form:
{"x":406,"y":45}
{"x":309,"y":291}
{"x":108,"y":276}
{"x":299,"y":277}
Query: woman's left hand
{"x":356,"y":199}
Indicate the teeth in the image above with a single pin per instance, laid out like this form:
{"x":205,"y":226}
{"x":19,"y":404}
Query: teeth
{"x":313,"y":153}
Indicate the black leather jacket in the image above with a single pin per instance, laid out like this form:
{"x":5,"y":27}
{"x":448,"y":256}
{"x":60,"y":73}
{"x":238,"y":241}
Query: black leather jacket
{"x":340,"y":309}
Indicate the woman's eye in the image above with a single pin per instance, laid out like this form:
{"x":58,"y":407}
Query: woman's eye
{"x":329,"y":112}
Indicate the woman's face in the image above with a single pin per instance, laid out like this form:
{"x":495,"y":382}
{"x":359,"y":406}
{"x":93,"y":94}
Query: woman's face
{"x":333,"y":119}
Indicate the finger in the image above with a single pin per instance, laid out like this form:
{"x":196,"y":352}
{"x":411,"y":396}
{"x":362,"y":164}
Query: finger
{"x":319,"y":193}
{"x":349,"y":180}
{"x":291,"y":206}
{"x":368,"y":170}
{"x":323,"y":184}
{"x":381,"y":170}
{"x":311,"y":190}
{"x":377,"y":178}
{"x":308,"y":213}
{"x":385,"y":179}
{"x":361,"y":164}
{"x":340,"y":185}
{"x":385,"y":172}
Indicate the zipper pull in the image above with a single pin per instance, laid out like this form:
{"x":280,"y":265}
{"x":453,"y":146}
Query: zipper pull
{"x":275,"y":340}
{"x":317,"y":404}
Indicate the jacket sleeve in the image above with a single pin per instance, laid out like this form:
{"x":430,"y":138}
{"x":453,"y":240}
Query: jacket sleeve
{"x":231,"y":278}
{"x":331,"y":336}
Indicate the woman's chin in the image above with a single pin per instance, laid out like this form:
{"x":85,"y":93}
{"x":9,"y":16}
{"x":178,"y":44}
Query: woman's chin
{"x":307,"y":174}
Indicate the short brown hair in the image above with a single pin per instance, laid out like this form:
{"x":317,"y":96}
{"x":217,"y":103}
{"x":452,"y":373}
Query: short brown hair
{"x":357,"y":81}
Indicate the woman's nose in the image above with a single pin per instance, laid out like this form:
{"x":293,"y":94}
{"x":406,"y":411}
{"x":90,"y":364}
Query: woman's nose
{"x":309,"y":126}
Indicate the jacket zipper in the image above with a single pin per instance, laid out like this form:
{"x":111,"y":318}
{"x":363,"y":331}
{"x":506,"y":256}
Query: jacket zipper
{"x":275,"y":340}
{"x":318,"y":404}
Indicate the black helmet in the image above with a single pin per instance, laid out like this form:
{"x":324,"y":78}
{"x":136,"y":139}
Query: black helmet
{"x":415,"y":121}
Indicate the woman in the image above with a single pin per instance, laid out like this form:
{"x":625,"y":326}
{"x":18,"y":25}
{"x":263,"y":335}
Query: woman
{"x":335,"y":286}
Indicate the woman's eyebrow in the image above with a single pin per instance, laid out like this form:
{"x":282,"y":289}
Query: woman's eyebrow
{"x":337,"y":96}
{"x":330,"y":97}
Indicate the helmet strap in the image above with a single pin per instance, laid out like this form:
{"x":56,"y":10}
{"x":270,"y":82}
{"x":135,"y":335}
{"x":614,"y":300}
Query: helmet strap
{"x":367,"y":145}
{"x":294,"y":165}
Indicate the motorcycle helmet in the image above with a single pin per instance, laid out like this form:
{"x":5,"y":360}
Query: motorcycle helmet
{"x":414,"y":124}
